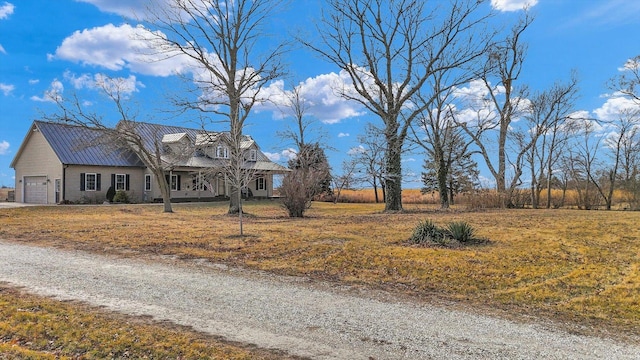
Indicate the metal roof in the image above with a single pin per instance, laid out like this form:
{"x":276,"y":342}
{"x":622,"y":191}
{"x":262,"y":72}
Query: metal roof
{"x":78,"y":145}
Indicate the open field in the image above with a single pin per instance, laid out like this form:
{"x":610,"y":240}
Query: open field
{"x":576,"y":267}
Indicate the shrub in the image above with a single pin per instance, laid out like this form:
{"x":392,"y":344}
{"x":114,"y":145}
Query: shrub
{"x":455,"y":234}
{"x":426,"y":232}
{"x":121,"y":197}
{"x":461,"y":231}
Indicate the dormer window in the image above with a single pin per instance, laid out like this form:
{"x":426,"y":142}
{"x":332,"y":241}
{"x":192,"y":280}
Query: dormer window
{"x":253,"y":155}
{"x":222,"y":152}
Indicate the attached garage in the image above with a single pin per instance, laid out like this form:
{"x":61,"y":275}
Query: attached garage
{"x":35,"y":189}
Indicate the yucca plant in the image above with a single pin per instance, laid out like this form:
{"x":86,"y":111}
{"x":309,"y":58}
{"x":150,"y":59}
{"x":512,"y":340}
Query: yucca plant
{"x":461,"y":231}
{"x":427,"y":231}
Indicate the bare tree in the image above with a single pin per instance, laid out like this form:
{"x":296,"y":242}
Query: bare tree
{"x":504,"y":65}
{"x":582,"y":163}
{"x":628,"y":83}
{"x":630,"y":161}
{"x":304,"y":129}
{"x":124,"y":135}
{"x":617,"y":144}
{"x":346,"y":179}
{"x":369,"y":158}
{"x":220,"y":38}
{"x":389,"y":48}
{"x":546,"y":115}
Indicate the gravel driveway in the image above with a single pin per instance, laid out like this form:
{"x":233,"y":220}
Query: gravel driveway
{"x":311,"y":320}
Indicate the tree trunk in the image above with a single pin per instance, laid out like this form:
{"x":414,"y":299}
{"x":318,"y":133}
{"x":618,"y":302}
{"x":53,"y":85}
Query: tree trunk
{"x":442,"y":181}
{"x":393,"y":179}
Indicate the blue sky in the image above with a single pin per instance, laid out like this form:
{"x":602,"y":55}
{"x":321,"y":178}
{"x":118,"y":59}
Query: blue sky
{"x":68,"y":44}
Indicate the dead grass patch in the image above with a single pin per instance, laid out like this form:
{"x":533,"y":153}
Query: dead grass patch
{"x":567,"y":265}
{"x":33,"y":327}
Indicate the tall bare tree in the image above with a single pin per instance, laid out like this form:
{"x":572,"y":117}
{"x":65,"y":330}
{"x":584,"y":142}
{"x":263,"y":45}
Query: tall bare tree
{"x":503,"y":67}
{"x":545,"y":117}
{"x":221,"y":39}
{"x":370,"y":158}
{"x":389,"y":48}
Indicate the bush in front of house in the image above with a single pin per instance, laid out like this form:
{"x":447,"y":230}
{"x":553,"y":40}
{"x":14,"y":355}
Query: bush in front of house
{"x":121,"y":197}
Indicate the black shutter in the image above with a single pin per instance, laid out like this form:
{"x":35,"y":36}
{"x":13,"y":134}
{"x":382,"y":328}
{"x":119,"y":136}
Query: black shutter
{"x":81,"y":181}
{"x":126,"y":186}
{"x":113,"y":181}
{"x":257,"y":183}
{"x":178,"y":182}
{"x":97,"y":182}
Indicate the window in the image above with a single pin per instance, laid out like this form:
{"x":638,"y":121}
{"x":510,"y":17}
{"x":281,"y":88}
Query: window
{"x":120,"y":182}
{"x":147,"y":182}
{"x":175,"y":183}
{"x":222,"y":152}
{"x":261,"y":183}
{"x":89,"y":182}
{"x":253,"y":155}
{"x":199,"y":183}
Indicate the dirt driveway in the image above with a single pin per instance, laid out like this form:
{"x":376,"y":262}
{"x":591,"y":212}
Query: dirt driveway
{"x":292,"y":314}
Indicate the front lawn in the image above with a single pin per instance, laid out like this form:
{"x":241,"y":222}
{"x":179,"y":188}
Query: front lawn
{"x":581,"y":267}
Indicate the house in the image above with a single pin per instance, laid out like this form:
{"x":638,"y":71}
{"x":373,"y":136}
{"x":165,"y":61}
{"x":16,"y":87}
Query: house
{"x":62,"y":163}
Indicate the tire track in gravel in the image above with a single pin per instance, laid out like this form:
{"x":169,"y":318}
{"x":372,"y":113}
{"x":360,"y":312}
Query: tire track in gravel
{"x":287,"y":314}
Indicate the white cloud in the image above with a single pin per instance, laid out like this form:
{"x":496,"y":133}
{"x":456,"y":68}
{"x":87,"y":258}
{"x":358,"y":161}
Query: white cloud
{"x":4,"y":147}
{"x":124,"y":86}
{"x":321,"y":96}
{"x":33,"y":81}
{"x":284,"y":155}
{"x":131,"y":9}
{"x":118,"y":47}
{"x":53,"y":93}
{"x":6,"y":89}
{"x":2,"y":50}
{"x":357,"y":150}
{"x":512,"y":5}
{"x":6,"y":10}
{"x":615,"y":105}
{"x":343,"y":135}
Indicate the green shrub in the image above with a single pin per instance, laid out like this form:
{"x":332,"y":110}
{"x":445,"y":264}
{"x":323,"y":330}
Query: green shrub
{"x":455,"y":234}
{"x":121,"y":197}
{"x":427,"y":231}
{"x":461,"y":231}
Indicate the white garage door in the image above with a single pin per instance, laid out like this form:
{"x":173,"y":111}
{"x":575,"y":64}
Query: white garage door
{"x":35,"y":189}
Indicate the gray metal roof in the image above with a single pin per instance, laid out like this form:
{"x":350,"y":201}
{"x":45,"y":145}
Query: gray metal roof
{"x":77,"y":145}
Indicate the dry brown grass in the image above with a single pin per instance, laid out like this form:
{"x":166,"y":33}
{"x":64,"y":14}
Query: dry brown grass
{"x":568,"y":265}
{"x":4,"y":193}
{"x":33,"y":327}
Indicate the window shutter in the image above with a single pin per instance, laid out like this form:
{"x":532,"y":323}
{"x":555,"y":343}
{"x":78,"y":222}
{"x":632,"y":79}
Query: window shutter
{"x":168,"y":178}
{"x":97,"y":182}
{"x":126,"y":179}
{"x":178,"y":183}
{"x":81,"y":181}
{"x":113,"y":181}
{"x":258,"y":184}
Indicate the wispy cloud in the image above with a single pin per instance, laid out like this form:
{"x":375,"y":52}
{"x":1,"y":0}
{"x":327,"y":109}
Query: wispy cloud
{"x":6,"y":10}
{"x":610,"y":12}
{"x":6,"y":89}
{"x":512,"y":5}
